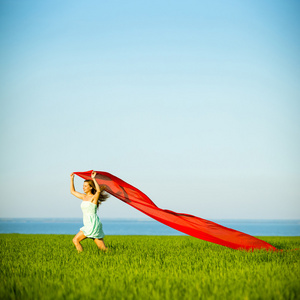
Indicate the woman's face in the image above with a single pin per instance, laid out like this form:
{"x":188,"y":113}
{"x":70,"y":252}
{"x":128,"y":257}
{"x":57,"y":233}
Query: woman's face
{"x":86,"y":187}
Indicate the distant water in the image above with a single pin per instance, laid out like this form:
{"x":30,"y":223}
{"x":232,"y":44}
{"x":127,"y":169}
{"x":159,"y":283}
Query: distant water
{"x":145,"y":227}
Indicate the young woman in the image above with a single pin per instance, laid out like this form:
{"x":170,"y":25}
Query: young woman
{"x":92,"y":197}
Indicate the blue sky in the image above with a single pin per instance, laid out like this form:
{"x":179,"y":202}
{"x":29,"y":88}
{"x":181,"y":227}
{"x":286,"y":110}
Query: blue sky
{"x":196,"y":103}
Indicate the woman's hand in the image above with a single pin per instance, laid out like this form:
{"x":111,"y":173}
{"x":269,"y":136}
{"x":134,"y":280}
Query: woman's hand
{"x":93,"y":174}
{"x":72,"y":175}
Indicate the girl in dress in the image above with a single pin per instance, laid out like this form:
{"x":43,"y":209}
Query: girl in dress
{"x":92,"y":197}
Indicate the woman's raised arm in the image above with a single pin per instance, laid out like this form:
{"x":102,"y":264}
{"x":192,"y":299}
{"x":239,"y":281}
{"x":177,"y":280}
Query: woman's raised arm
{"x":98,"y":189}
{"x":73,"y":192}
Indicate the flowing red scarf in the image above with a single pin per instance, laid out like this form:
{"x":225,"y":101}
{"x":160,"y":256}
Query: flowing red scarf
{"x":189,"y":224}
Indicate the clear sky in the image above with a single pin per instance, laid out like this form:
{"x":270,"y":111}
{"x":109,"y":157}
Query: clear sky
{"x":196,"y":103}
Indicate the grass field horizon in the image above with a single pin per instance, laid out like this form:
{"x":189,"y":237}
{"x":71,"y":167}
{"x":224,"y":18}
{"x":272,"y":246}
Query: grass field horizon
{"x":40,"y":266}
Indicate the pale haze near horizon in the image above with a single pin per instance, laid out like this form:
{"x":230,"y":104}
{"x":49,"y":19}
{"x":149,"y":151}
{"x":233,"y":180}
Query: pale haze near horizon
{"x":196,"y":103}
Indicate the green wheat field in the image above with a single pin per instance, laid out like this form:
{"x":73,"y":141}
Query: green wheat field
{"x":145,"y":267}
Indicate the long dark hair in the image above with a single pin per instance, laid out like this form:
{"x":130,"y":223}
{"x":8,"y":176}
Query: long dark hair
{"x":103,"y":195}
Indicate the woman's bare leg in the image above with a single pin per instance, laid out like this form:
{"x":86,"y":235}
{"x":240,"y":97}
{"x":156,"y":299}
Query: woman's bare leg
{"x":100,"y":244}
{"x":77,"y":239}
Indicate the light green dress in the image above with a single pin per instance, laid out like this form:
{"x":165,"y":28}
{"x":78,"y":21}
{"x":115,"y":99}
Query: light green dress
{"x":92,"y":226}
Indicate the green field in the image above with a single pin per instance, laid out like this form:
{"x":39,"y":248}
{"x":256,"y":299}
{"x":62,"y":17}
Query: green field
{"x":145,"y":267}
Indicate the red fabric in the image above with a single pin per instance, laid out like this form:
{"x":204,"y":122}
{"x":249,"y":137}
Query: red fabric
{"x":191,"y":225}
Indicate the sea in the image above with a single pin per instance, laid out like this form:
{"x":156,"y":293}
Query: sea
{"x":143,"y":226}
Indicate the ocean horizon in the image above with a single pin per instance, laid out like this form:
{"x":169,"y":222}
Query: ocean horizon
{"x":143,"y":226}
